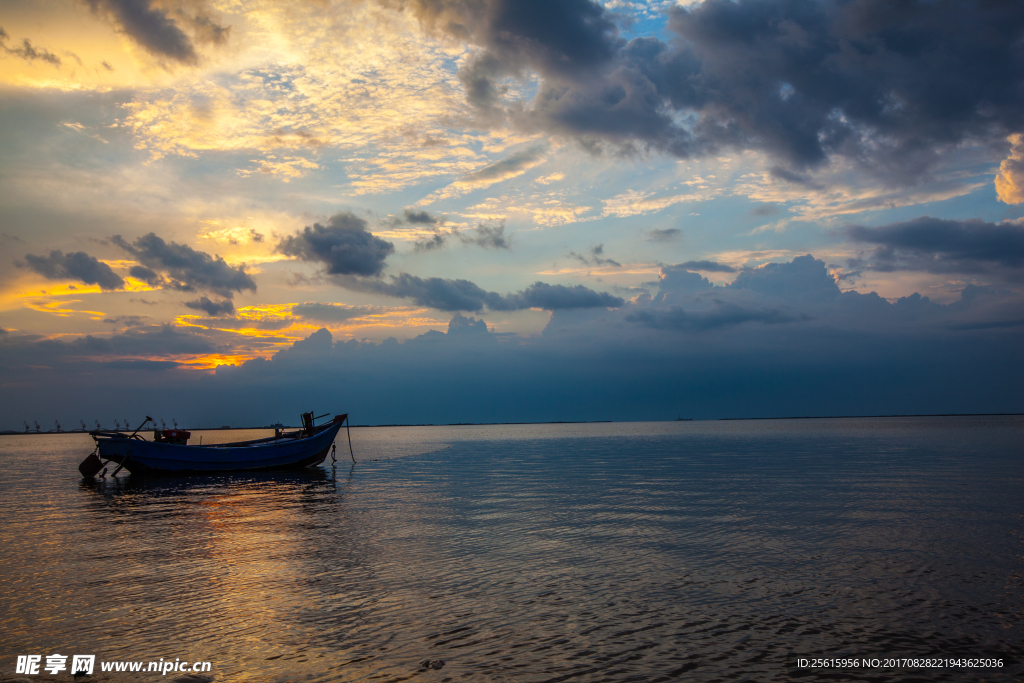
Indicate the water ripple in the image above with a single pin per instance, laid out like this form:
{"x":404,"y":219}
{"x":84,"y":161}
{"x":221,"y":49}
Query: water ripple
{"x":696,"y":551}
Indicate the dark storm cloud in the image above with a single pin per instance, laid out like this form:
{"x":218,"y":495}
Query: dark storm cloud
{"x":566,"y":37}
{"x":74,"y":266}
{"x":154,"y":27}
{"x":942,"y":246}
{"x":150,"y":27}
{"x":486,"y":236}
{"x":332,"y":312}
{"x":344,"y":246}
{"x":723,"y":315}
{"x":886,"y":84}
{"x":706,"y":266}
{"x":187,"y":268}
{"x":147,"y":275}
{"x":213,"y":309}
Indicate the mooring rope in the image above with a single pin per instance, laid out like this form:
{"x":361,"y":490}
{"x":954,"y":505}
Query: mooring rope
{"x":349,"y":432}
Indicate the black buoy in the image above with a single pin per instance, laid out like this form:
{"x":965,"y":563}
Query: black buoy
{"x":90,"y":466}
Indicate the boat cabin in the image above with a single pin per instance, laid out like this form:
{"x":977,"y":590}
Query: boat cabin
{"x":178,"y":437}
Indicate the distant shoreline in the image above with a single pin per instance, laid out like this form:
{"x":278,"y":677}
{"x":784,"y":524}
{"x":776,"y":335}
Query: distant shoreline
{"x":556,"y":422}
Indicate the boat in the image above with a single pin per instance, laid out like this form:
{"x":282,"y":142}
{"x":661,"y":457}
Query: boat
{"x":170,"y":452}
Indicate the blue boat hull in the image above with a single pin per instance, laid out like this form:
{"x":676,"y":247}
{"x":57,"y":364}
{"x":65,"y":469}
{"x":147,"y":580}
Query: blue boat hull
{"x":149,"y":457}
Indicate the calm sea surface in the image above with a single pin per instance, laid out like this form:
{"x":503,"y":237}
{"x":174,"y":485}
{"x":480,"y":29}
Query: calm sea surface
{"x":705,"y":551}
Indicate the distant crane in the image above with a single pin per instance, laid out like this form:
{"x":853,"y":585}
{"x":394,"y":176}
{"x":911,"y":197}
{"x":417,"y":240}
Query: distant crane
{"x":59,"y":430}
{"x":117,"y":425}
{"x":26,"y":427}
{"x":98,"y":425}
{"x":38,"y":428}
{"x":162,"y":423}
{"x":84,"y":428}
{"x":175,"y":422}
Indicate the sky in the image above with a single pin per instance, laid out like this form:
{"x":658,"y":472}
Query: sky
{"x":443,"y":211}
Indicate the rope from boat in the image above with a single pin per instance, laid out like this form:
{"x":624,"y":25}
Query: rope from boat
{"x":349,"y":432}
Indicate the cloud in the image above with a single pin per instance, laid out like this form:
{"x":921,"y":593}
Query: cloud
{"x":74,"y":266}
{"x":29,"y":52}
{"x":436,"y":241}
{"x":706,"y":266}
{"x":724,"y":315}
{"x":556,"y":297}
{"x":155,"y":28}
{"x":187,"y":268}
{"x":149,"y":341}
{"x":151,"y":365}
{"x":463,"y":295}
{"x":433,"y":292}
{"x":1010,"y":179}
{"x":418,"y":217}
{"x":678,"y":280}
{"x":805,"y":278}
{"x":344,"y":246}
{"x":664,"y":235}
{"x":765,"y":210}
{"x":332,"y":312}
{"x":942,"y":246}
{"x":719,"y":352}
{"x":486,"y":236}
{"x":127,"y":320}
{"x":147,"y":275}
{"x":214,"y":309}
{"x":514,"y":165}
{"x":885,"y":85}
{"x":595,"y":257}
{"x":461,"y":325}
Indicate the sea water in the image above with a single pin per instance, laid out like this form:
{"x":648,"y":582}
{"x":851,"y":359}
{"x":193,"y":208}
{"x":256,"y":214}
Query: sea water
{"x":886,"y":549}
